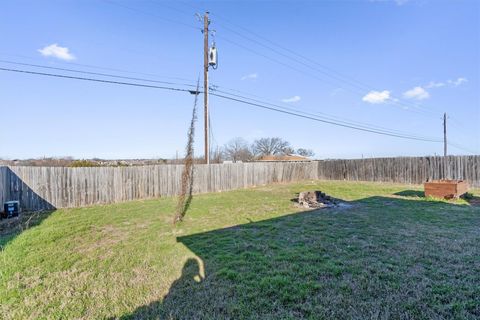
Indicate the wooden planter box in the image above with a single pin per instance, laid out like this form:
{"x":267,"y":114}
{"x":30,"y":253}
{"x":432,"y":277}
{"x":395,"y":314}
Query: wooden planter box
{"x":447,"y":189}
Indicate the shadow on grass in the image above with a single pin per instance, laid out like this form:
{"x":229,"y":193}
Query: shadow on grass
{"x":382,"y":258}
{"x":472,"y":200}
{"x":411,"y":193}
{"x":469,"y":197}
{"x":34,"y":208}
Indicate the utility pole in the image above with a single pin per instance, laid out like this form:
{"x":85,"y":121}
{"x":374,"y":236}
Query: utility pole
{"x":445,"y":134}
{"x":206,"y":22}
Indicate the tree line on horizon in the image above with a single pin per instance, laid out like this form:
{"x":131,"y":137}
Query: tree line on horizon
{"x":239,"y":149}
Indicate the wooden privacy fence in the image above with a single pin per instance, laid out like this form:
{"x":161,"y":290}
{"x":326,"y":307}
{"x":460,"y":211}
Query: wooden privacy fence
{"x":58,"y":187}
{"x":4,"y":185}
{"x":414,"y":170}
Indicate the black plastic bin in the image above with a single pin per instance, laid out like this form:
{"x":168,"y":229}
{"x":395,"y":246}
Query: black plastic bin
{"x":11,"y":209}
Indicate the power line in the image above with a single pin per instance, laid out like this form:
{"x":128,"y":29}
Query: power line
{"x":275,"y":60}
{"x":332,"y":73}
{"x":321,"y":120}
{"x":224,"y":97}
{"x":240,"y":101}
{"x":151,"y":14}
{"x":96,"y":80}
{"x":105,"y":68}
{"x":392,"y":100}
{"x":318,"y":114}
{"x":172,"y":83}
{"x":95,"y":73}
{"x":405,"y":135}
{"x":329,"y":117}
{"x":123,"y":77}
{"x":460,"y":147}
{"x":454,"y":122}
{"x":269,"y":47}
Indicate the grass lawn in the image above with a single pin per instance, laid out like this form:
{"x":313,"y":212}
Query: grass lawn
{"x":249,"y":254}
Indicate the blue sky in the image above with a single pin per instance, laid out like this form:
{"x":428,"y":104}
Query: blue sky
{"x":395,"y":64}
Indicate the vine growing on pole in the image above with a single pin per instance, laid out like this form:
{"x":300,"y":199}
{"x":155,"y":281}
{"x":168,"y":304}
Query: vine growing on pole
{"x":186,"y":191}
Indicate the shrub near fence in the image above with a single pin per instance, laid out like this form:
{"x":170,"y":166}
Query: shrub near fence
{"x":58,"y":187}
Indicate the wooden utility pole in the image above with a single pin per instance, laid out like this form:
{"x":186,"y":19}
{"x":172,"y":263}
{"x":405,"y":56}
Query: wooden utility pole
{"x":445,"y":134}
{"x":206,"y":22}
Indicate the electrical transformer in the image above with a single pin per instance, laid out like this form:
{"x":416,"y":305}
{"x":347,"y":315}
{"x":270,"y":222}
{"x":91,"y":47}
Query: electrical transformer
{"x":212,"y":57}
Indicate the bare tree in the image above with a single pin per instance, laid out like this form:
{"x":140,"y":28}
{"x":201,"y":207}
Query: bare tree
{"x":237,"y":149}
{"x":271,"y":146}
{"x":305,"y":152}
{"x":288,"y":150}
{"x":217,"y":155}
{"x":185,"y":197}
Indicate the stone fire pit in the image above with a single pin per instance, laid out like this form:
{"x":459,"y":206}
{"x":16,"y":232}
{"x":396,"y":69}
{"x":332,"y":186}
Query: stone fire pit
{"x":316,"y":199}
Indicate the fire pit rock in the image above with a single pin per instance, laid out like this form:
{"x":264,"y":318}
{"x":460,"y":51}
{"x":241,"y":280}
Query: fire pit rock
{"x":316,"y":199}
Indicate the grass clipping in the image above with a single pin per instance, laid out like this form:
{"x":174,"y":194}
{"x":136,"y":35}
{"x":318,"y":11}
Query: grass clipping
{"x":185,"y":196}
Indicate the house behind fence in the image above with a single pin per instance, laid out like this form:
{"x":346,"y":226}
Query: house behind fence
{"x":40,"y":188}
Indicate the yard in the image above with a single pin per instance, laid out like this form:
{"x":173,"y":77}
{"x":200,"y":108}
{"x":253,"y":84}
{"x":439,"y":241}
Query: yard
{"x":249,"y":254}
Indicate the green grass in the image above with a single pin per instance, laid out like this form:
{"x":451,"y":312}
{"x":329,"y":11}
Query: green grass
{"x":249,"y":254}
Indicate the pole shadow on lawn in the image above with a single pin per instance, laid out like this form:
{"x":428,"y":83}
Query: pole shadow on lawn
{"x":382,"y":258}
{"x":34,"y":208}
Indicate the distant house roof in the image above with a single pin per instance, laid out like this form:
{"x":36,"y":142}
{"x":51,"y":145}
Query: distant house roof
{"x":289,"y":157}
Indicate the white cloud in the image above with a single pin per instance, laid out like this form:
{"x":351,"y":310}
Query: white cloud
{"x":417,"y":93}
{"x":433,"y":84}
{"x":292,"y":99}
{"x":457,"y":82}
{"x":377,"y":97}
{"x":452,"y":83}
{"x":251,"y":76}
{"x":54,"y":50}
{"x":401,"y":2}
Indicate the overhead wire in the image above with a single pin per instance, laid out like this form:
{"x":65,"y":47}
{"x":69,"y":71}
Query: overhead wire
{"x":95,"y":73}
{"x":395,"y":101}
{"x":224,"y":97}
{"x":316,"y":113}
{"x":460,"y":147}
{"x":392,"y":100}
{"x":357,"y":126}
{"x":322,"y":120}
{"x":94,"y":80}
{"x":321,"y":114}
{"x":232,"y":97}
{"x":330,"y":73}
{"x":151,"y":14}
{"x":89,"y":66}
